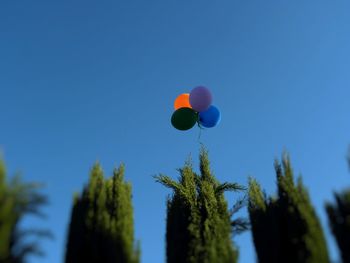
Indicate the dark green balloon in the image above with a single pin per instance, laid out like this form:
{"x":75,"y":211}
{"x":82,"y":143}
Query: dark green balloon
{"x":184,"y":119}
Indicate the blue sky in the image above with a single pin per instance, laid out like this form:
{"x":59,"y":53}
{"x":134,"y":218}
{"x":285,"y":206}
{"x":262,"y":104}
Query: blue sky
{"x":82,"y":81}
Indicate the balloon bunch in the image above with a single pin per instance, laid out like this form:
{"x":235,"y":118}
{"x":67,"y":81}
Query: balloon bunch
{"x":195,"y":107}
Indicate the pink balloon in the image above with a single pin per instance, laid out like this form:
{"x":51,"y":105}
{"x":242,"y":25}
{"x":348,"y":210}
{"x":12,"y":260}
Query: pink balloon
{"x":200,"y":98}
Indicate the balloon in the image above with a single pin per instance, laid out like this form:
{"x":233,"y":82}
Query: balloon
{"x":200,"y":98}
{"x":210,"y":118}
{"x":182,"y":101}
{"x":184,"y":119}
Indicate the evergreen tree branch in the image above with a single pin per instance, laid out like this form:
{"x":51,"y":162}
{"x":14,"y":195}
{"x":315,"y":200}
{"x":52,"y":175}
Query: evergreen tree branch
{"x":168,"y":182}
{"x":233,"y":187}
{"x":242,"y":202}
{"x":240,"y":225}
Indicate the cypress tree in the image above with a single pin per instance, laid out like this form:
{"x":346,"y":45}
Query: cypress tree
{"x":7,"y":217}
{"x":101,"y":227}
{"x":285,"y":228}
{"x":199,"y":226}
{"x":18,"y":199}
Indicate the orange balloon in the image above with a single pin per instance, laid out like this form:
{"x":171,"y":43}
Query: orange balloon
{"x":182,"y":101}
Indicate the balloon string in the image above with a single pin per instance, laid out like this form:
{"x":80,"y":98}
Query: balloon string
{"x":200,"y":131}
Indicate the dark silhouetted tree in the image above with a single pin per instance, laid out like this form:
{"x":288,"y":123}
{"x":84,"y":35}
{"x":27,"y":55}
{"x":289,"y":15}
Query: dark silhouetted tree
{"x":199,"y":226}
{"x":285,"y":228}
{"x":102,"y":224}
{"x":339,"y":220}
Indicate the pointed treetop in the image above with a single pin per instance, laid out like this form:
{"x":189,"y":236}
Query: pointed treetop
{"x":96,"y":171}
{"x":256,"y":197}
{"x":206,"y":174}
{"x":118,"y":173}
{"x":285,"y":177}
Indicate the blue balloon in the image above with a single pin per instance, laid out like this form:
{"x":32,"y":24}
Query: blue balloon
{"x":210,"y":117}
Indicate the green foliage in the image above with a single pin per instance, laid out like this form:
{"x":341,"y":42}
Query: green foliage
{"x":199,"y":225}
{"x":286,"y":228}
{"x":101,"y":227}
{"x":18,"y":199}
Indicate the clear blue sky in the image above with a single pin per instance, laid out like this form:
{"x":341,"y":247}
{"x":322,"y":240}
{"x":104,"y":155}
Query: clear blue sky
{"x":82,"y":81}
